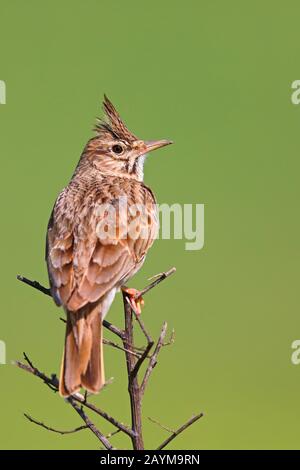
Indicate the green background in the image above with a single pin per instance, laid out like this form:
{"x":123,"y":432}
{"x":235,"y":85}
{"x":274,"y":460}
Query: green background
{"x":215,"y":77}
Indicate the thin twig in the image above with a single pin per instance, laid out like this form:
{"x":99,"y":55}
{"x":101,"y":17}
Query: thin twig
{"x":158,"y":278}
{"x":114,"y":329}
{"x":49,"y":428}
{"x":90,"y":424}
{"x":142,"y":327}
{"x":117,"y":346}
{"x":34,"y":284}
{"x":28,"y":360}
{"x":142,"y":359}
{"x":104,"y":415}
{"x":113,"y":433}
{"x":161,"y":425}
{"x":153,"y":359}
{"x":171,"y":339}
{"x":180,"y":430}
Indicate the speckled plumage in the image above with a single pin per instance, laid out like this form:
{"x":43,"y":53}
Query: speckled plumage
{"x":86,"y":269}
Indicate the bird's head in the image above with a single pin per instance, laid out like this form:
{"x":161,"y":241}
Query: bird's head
{"x":115,"y":150}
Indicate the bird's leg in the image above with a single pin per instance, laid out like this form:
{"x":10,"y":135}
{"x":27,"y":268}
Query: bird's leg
{"x":135,"y":299}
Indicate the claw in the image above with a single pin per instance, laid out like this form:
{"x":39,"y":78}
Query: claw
{"x":135,"y":299}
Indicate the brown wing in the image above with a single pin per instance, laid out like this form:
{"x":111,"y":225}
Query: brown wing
{"x":59,"y":250}
{"x":95,"y":253}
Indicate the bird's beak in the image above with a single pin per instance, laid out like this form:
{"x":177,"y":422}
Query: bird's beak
{"x":156,"y":144}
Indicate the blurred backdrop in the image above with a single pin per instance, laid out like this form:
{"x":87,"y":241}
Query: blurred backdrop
{"x":216,"y":78}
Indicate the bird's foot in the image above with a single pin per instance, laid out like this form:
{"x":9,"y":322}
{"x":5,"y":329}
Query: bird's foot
{"x":135,"y":299}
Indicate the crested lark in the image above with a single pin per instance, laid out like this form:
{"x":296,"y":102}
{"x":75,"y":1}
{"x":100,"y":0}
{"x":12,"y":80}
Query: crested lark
{"x":95,"y":243}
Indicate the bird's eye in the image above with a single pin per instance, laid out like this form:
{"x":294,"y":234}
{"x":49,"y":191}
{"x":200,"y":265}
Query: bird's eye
{"x":118,"y":149}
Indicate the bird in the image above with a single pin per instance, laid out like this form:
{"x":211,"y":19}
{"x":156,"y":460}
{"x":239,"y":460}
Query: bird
{"x":91,"y":255}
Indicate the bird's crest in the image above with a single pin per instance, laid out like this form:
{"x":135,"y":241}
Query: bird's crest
{"x":113,"y":124}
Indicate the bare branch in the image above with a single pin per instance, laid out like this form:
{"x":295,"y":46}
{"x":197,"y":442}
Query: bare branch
{"x":142,"y":327}
{"x":90,"y":424}
{"x":133,"y":385}
{"x":114,"y":329}
{"x":35,"y":285}
{"x":158,"y":279}
{"x":28,"y":360}
{"x":161,"y":425}
{"x":133,"y":366}
{"x":153,"y":359}
{"x":122,"y":427}
{"x":135,"y":390}
{"x":113,"y":433}
{"x":142,"y":359}
{"x":117,"y":346}
{"x":180,"y":430}
{"x":49,"y":428}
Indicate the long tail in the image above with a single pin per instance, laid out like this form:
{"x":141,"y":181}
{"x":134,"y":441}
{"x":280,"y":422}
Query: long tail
{"x":82,"y":363}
